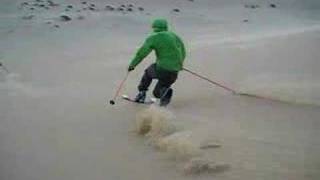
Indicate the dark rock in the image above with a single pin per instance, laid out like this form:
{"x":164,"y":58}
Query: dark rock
{"x":42,"y":5}
{"x":65,"y":18}
{"x":120,"y":9}
{"x":252,"y":6}
{"x":49,"y":22}
{"x":176,"y":10}
{"x":245,"y":20}
{"x":80,"y":17}
{"x":140,"y":8}
{"x":11,"y":31}
{"x":52,"y":4}
{"x":130,"y":5}
{"x":70,"y":6}
{"x":56,"y":26}
{"x":28,"y":17}
{"x":32,"y":9}
{"x":39,"y":1}
{"x":273,"y":5}
{"x":110,"y":8}
{"x":92,"y":8}
{"x":24,"y":4}
{"x":92,"y":5}
{"x":130,"y":9}
{"x":123,"y":6}
{"x":84,"y":2}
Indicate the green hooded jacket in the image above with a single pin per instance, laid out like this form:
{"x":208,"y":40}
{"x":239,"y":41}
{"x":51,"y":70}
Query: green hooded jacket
{"x":169,"y":48}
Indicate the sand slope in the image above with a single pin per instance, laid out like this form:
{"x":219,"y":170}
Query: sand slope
{"x":55,"y":123}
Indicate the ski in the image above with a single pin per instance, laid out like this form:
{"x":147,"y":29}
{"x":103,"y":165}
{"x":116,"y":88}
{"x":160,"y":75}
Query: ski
{"x":126,"y":97}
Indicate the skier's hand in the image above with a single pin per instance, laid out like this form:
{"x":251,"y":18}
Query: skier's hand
{"x":131,"y":68}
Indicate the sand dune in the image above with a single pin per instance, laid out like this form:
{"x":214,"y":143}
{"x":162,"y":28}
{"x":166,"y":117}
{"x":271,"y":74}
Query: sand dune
{"x":66,"y":58}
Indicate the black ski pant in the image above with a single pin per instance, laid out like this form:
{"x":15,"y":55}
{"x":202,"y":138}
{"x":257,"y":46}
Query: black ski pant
{"x":165,"y":80}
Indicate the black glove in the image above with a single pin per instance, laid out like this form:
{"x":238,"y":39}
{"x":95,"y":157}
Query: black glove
{"x":131,"y":68}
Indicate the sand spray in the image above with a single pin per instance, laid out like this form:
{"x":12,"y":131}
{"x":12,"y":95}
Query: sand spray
{"x":161,"y":130}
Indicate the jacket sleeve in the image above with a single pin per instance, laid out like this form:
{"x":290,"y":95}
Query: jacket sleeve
{"x":182,"y":48}
{"x":142,"y":52}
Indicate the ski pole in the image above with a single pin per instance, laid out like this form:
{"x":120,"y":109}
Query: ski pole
{"x":229,"y":89}
{"x":212,"y":82}
{"x":3,"y":67}
{"x":112,"y":101}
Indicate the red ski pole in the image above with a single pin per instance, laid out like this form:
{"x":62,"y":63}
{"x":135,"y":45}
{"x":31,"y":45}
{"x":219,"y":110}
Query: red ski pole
{"x":112,"y":101}
{"x":212,"y":82}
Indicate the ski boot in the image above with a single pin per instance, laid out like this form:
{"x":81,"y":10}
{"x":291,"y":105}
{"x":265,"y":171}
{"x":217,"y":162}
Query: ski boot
{"x":166,"y":97}
{"x":141,"y":96}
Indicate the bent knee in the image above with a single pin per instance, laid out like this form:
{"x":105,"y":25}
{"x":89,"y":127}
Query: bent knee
{"x":156,"y":93}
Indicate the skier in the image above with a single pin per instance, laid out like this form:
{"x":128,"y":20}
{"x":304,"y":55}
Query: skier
{"x":170,"y":54}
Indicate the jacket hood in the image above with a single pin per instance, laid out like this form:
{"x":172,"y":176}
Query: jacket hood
{"x":159,"y":25}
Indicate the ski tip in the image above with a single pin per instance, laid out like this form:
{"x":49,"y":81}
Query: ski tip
{"x":153,"y":100}
{"x":148,"y":102}
{"x":125,"y":96}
